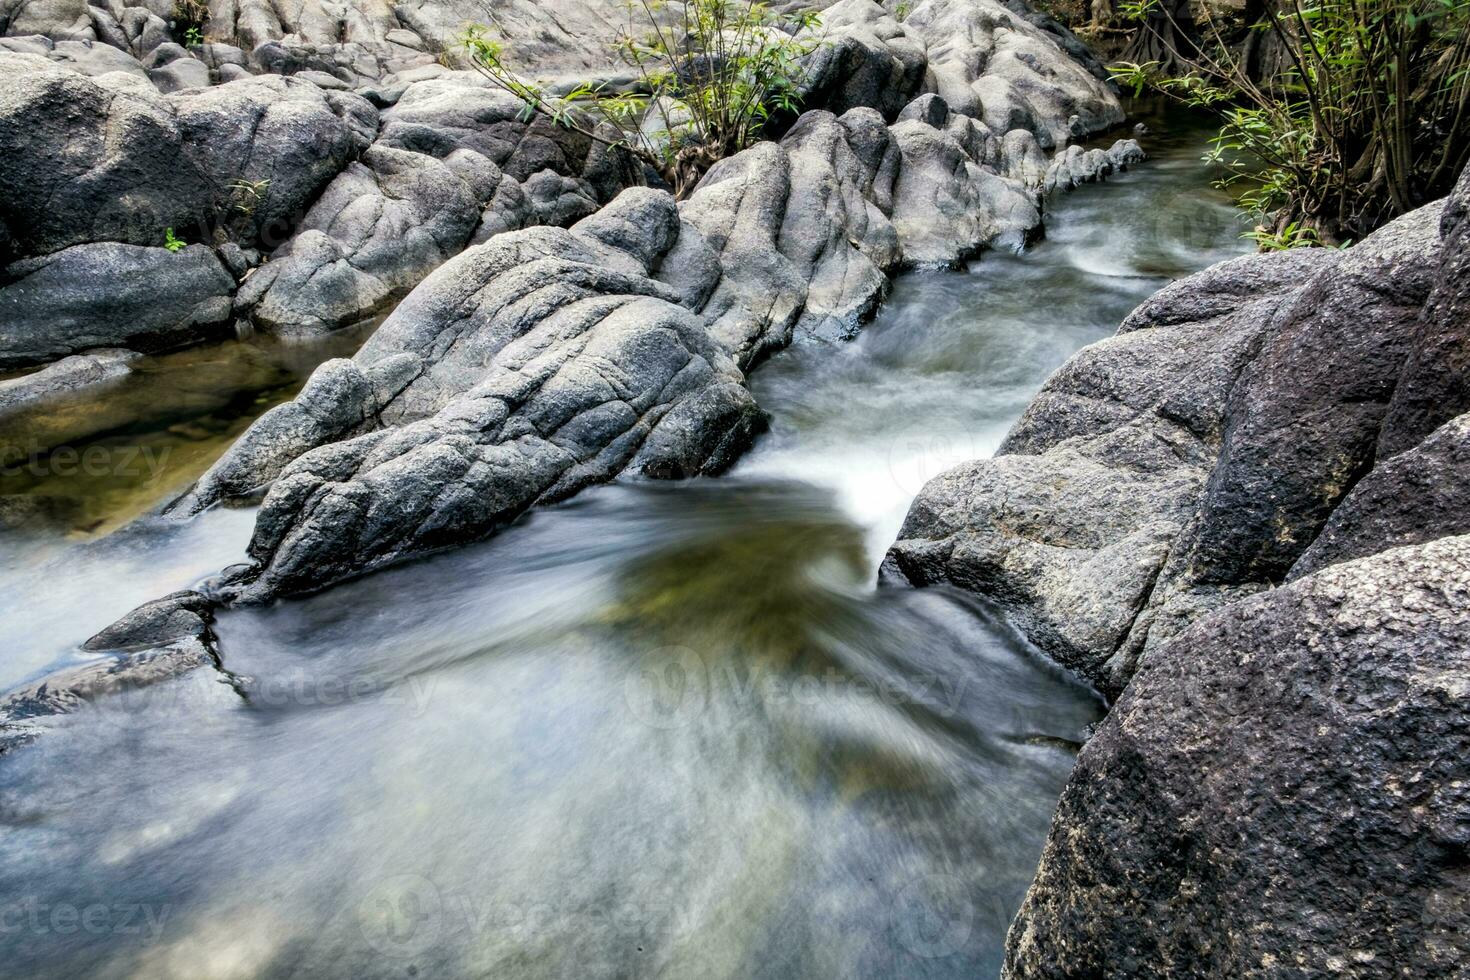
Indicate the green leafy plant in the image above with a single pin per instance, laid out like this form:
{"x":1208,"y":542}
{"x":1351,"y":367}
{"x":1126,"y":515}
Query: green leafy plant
{"x":189,"y":20}
{"x":1368,"y":119}
{"x":246,"y":195}
{"x":710,"y":76}
{"x":172,"y":242}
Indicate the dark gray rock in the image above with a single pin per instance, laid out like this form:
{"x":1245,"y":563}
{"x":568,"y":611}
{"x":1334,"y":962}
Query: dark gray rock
{"x":1434,"y":385}
{"x":1281,"y":792}
{"x":551,"y":359}
{"x":268,"y":146}
{"x":1414,"y":497}
{"x":1069,"y":526}
{"x":85,"y":163}
{"x":1304,"y":419}
{"x":64,"y":377}
{"x":110,"y":295}
{"x":174,"y":617}
{"x":93,"y":163}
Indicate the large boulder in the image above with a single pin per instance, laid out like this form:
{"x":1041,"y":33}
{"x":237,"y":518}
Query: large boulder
{"x":1192,"y":459}
{"x":1070,"y":524}
{"x":110,"y":295}
{"x":1411,"y":498}
{"x":1434,"y":385}
{"x":577,"y":358}
{"x":1281,"y":792}
{"x":93,"y":162}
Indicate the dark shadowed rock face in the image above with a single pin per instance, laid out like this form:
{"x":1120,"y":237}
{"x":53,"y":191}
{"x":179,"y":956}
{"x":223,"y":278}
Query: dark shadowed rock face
{"x":1070,"y":525}
{"x":1281,"y":792}
{"x":1435,"y":383}
{"x":1416,"y":496}
{"x":89,"y":162}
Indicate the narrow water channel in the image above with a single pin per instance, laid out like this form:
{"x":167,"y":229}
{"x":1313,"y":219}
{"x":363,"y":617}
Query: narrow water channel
{"x":660,"y":731}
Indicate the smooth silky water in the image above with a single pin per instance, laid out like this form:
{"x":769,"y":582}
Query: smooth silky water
{"x":662,"y":730}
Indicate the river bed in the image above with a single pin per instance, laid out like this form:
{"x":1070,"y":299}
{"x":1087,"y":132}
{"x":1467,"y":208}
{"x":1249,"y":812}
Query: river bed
{"x":661,"y":730}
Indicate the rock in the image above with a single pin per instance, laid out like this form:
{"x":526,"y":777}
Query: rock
{"x":1306,"y":414}
{"x":88,"y":164}
{"x":381,"y":226}
{"x":340,"y":400}
{"x":110,"y":295}
{"x":94,"y":164}
{"x":1201,"y":451}
{"x":1075,"y":166}
{"x":87,"y":57}
{"x":172,"y":618}
{"x":179,"y":75}
{"x":496,"y":343}
{"x":1414,"y":497}
{"x":1069,"y":525}
{"x":156,"y":642}
{"x":947,"y":205}
{"x":869,"y":62}
{"x":64,"y":377}
{"x":1434,"y":385}
{"x":551,"y":357}
{"x":1280,"y":792}
{"x":269,"y":145}
{"x":997,"y":66}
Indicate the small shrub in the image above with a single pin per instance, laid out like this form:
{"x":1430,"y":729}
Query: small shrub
{"x":1369,"y":118}
{"x":710,"y":80}
{"x":172,"y":242}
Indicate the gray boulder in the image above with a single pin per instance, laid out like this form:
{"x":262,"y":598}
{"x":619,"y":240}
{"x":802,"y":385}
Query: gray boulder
{"x":379,"y":228}
{"x":86,"y":163}
{"x":267,"y":146}
{"x":110,"y":295}
{"x":1434,"y":385}
{"x":92,"y":163}
{"x":552,"y":359}
{"x":1280,"y":792}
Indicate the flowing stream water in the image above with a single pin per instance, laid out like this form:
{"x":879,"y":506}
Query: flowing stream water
{"x":661,"y":730}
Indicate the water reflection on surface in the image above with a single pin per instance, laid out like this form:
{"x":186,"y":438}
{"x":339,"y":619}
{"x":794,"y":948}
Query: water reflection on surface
{"x":660,"y":730}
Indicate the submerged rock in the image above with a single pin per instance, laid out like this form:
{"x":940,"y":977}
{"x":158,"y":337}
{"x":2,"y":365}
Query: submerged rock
{"x":156,"y":642}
